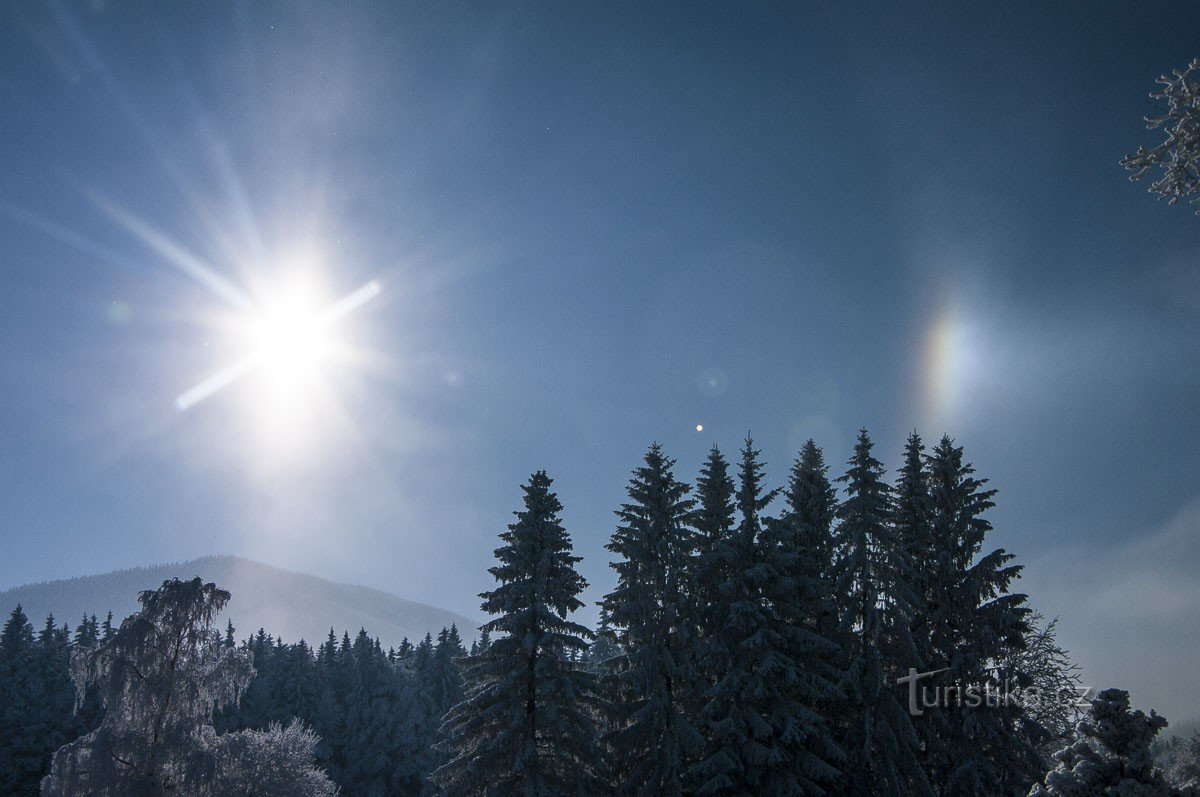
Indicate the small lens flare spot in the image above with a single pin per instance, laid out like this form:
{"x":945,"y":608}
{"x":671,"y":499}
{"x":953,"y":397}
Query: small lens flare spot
{"x":699,"y":427}
{"x":118,"y":312}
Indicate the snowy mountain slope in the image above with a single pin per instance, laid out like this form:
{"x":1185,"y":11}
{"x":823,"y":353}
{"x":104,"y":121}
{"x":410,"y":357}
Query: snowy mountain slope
{"x":290,"y":605}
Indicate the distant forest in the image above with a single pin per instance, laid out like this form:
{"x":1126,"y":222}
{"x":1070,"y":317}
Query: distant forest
{"x":831,"y":636}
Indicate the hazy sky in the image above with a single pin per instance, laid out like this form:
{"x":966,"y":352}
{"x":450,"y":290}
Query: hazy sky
{"x":594,"y":226}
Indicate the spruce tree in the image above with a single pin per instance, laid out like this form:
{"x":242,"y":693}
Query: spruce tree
{"x":527,"y":724}
{"x":373,"y":720}
{"x":445,"y":680}
{"x":423,"y":659}
{"x":651,"y":737}
{"x":300,"y":687}
{"x":800,"y":594}
{"x":89,"y":709}
{"x":52,"y":721}
{"x":811,"y":509}
{"x":715,"y":524}
{"x":764,"y":737}
{"x":719,"y":766}
{"x":911,"y":519}
{"x":914,"y":543}
{"x":807,"y":526}
{"x":87,"y":633}
{"x":973,"y":626}
{"x":21,"y":763}
{"x":881,"y":745}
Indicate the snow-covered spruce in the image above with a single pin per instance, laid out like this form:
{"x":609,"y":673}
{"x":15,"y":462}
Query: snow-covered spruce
{"x":527,"y":725}
{"x":651,"y":737}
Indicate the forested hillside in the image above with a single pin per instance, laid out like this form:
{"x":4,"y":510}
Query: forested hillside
{"x":847,"y":635}
{"x":292,"y":606}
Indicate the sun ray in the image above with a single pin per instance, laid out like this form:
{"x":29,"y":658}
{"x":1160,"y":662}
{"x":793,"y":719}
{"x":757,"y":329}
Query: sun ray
{"x":215,"y":383}
{"x":351,"y":302}
{"x":175,"y":254}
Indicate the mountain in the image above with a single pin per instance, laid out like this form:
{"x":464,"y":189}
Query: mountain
{"x":288,"y":605}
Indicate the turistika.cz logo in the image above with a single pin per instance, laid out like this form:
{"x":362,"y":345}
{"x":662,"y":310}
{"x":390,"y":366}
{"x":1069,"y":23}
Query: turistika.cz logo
{"x":989,"y":694}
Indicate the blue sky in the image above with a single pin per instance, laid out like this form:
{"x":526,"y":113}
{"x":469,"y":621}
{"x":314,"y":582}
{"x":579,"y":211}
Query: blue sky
{"x":594,"y":226}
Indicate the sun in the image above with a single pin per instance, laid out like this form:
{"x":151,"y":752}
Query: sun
{"x":286,"y":343}
{"x":289,"y":341}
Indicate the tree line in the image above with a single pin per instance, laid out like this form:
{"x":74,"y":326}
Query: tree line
{"x":757,"y":641}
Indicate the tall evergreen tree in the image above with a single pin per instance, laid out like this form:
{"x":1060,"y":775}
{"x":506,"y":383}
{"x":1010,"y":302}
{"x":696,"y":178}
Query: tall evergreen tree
{"x":527,"y":726}
{"x":911,"y":518}
{"x":808,"y":528}
{"x":973,"y":626}
{"x":652,"y":737}
{"x":881,"y":745}
{"x":445,"y":681}
{"x":764,"y":738}
{"x":812,"y":508}
{"x":87,"y":633}
{"x":715,"y":523}
{"x":800,"y":594}
{"x":52,"y":721}
{"x":423,"y":658}
{"x":21,"y":764}
{"x":373,"y":721}
{"x":719,"y":765}
{"x":89,"y":709}
{"x":913,"y":539}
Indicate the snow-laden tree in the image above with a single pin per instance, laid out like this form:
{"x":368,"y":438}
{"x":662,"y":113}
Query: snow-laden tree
{"x":800,"y":595}
{"x":913,"y":530}
{"x":872,"y":583}
{"x":1178,"y":154}
{"x":974,"y":625}
{"x":277,"y":761}
{"x":373,"y":721}
{"x":763,"y":734}
{"x":445,"y":681}
{"x":715,"y":524}
{"x":652,"y":738}
{"x":159,"y":678}
{"x":527,"y":725}
{"x":735,"y":628}
{"x":811,"y":511}
{"x":1179,"y":760}
{"x":1111,"y":757}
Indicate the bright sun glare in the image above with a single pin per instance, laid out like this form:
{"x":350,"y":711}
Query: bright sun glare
{"x":286,"y":344}
{"x":289,"y":341}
